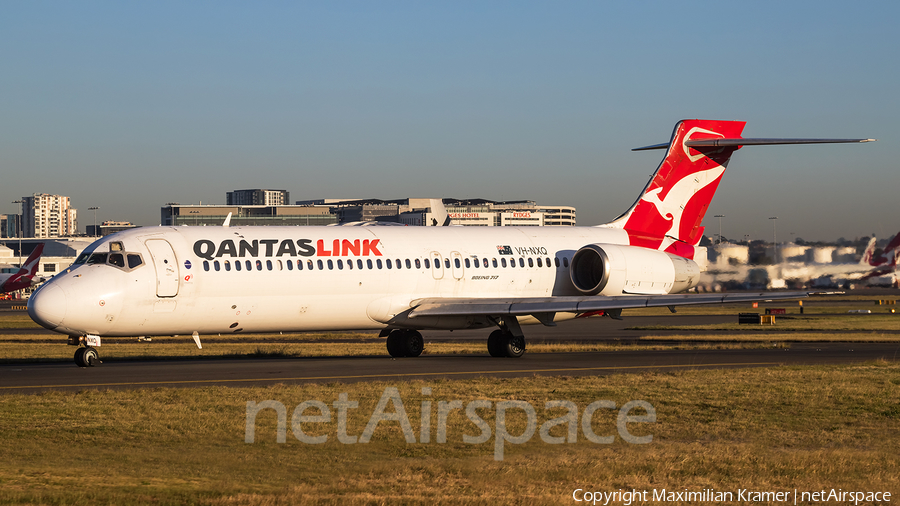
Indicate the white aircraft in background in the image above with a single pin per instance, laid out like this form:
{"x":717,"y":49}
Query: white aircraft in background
{"x":24,"y":277}
{"x":216,"y":280}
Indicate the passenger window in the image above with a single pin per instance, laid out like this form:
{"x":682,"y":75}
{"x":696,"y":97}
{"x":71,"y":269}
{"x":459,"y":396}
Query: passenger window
{"x":259,"y":265}
{"x":388,"y":262}
{"x":349,"y":264}
{"x":399,"y":264}
{"x":456,"y":263}
{"x":237,"y":265}
{"x":485,"y":263}
{"x":540,"y":264}
{"x":369,"y":264}
{"x":522,"y":262}
{"x":467,"y":263}
{"x":566,"y":262}
{"x":447,"y":263}
{"x":97,"y":258}
{"x":278,"y":263}
{"x":340,"y":265}
{"x":495,"y":263}
{"x":330,"y":265}
{"x":427,"y":264}
{"x":530,"y":262}
{"x":205,"y":265}
{"x":418,"y":264}
{"x":290,"y":265}
{"x":227,"y":266}
{"x":216,"y":265}
{"x":548,"y":262}
{"x":502,"y":262}
{"x":408,"y":264}
{"x":309,"y":264}
{"x":117,"y":259}
{"x":299,"y":265}
{"x":320,"y":265}
{"x":268,"y":265}
{"x":249,"y":265}
{"x":359,"y":264}
{"x":556,"y":260}
{"x":134,"y":261}
{"x":378,"y":263}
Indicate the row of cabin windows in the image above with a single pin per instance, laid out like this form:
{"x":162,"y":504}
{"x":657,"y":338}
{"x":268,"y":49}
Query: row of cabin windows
{"x":379,"y":264}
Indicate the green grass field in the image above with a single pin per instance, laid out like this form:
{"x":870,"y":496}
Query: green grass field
{"x":765,"y":429}
{"x":770,"y":429}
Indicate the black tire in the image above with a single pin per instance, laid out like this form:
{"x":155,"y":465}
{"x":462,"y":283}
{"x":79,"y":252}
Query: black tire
{"x":91,"y":357}
{"x":495,"y":344}
{"x":514,"y":346}
{"x":395,"y":343}
{"x":414,"y":344}
{"x":79,"y":357}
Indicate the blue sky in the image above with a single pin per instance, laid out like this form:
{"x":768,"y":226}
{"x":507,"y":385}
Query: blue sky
{"x":128,"y":105}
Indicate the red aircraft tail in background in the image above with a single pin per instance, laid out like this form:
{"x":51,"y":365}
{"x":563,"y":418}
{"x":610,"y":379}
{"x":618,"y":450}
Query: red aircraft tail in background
{"x":25,"y":277}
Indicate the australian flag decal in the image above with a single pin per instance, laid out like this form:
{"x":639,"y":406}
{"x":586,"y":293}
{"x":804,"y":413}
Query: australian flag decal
{"x":504,"y":250}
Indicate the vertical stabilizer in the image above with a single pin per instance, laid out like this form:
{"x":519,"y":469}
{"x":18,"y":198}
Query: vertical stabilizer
{"x":668,"y":213}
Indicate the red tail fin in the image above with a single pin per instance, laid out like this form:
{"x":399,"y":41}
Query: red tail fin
{"x":671,"y":207}
{"x":23,"y":278}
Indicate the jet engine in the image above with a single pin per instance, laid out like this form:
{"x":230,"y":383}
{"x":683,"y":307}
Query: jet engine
{"x":612,"y":269}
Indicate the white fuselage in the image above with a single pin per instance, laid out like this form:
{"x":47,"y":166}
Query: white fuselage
{"x":268,"y":279}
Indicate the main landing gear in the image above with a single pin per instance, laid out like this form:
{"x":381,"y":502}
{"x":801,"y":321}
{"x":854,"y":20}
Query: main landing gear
{"x":405,"y":343}
{"x":503,"y":344}
{"x":87,"y":357}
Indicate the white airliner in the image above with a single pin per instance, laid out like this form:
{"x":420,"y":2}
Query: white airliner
{"x":217,"y":280}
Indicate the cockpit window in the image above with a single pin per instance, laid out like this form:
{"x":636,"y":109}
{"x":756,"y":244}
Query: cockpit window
{"x":82,"y":258}
{"x":97,"y":258}
{"x":116,"y":246}
{"x":134,"y":261}
{"x":117,"y":259}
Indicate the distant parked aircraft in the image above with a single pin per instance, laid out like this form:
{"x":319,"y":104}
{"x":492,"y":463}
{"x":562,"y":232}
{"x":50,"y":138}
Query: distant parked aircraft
{"x":10,"y":282}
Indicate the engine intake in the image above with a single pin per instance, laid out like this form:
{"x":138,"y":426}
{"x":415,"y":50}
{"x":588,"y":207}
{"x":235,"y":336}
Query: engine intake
{"x":612,"y":269}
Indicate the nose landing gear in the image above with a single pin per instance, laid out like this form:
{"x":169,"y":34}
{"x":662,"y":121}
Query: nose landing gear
{"x":87,"y":357}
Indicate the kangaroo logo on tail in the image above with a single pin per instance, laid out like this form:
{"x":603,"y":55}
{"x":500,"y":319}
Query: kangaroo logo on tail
{"x":668,"y":214}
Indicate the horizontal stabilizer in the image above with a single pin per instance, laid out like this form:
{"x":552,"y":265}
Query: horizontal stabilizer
{"x":698,"y":143}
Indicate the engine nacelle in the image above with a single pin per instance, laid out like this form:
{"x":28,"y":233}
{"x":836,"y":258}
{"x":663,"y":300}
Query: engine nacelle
{"x":612,"y":269}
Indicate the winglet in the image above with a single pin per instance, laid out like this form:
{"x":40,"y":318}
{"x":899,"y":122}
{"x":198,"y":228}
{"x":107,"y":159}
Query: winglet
{"x":227,"y":221}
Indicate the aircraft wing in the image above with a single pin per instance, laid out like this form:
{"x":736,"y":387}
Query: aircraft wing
{"x":542,"y":305}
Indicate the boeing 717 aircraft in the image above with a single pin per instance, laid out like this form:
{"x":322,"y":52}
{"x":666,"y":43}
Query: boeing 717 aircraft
{"x":218,"y":280}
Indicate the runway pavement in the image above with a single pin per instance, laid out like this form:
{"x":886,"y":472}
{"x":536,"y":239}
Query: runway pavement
{"x":30,"y":378}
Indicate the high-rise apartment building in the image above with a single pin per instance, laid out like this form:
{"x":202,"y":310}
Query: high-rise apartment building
{"x":257,"y":198}
{"x":46,"y":215}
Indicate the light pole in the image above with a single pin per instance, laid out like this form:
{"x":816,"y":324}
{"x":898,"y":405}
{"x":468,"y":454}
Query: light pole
{"x":774,"y":239}
{"x":95,"y":220}
{"x":720,"y":216}
{"x":19,"y":229}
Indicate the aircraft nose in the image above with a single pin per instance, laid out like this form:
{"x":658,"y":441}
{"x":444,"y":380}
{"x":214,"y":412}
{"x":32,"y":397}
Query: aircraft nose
{"x":48,"y":306}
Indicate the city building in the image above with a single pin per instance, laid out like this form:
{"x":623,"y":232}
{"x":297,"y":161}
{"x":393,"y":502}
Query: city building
{"x":10,"y":225}
{"x":469,"y":212}
{"x":108,"y":227}
{"x":257,"y":198}
{"x":45,"y":215}
{"x":174,"y":214}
